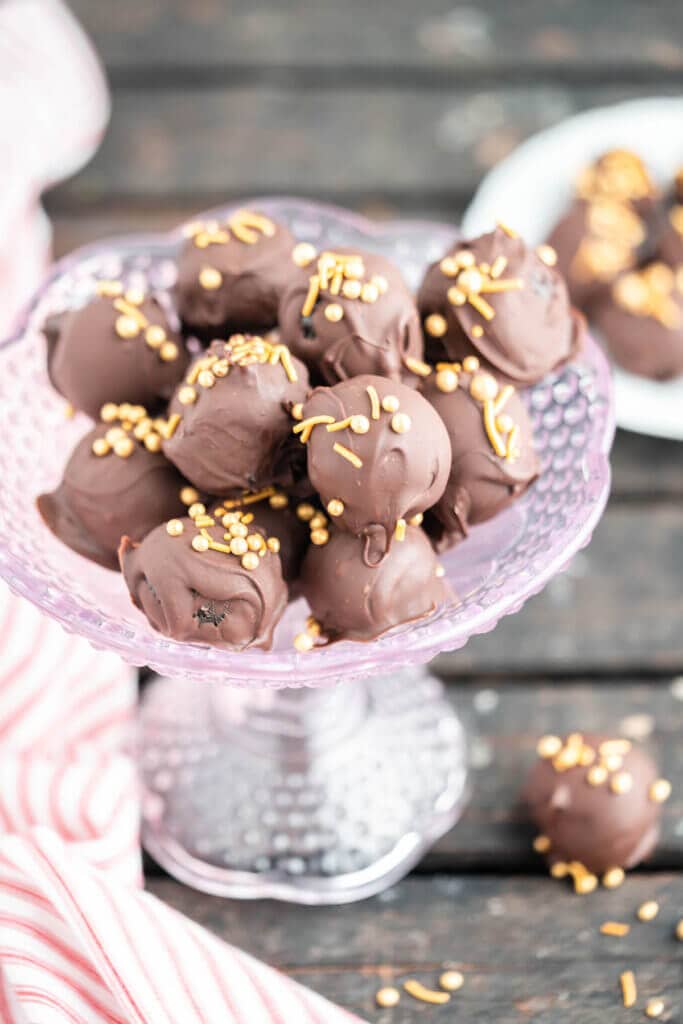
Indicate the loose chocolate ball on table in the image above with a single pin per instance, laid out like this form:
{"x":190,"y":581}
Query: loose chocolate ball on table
{"x":231,"y":274}
{"x":596,"y":802}
{"x":493,"y":459}
{"x":233,"y":413}
{"x":116,"y":482}
{"x":349,"y":312}
{"x":378,"y":456}
{"x":207,"y":580}
{"x":353,"y":601}
{"x":502,"y":302}
{"x":642,"y":321}
{"x":120,"y":347}
{"x":276,"y":514}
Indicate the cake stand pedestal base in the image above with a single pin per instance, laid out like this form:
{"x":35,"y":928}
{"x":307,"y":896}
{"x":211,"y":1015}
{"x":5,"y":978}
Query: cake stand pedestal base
{"x":312,"y":796}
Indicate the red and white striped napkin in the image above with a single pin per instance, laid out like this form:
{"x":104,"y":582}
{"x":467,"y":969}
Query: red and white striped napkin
{"x":80,"y":942}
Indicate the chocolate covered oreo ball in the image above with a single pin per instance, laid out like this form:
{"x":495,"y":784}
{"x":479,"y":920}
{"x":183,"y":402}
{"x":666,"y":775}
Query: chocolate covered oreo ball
{"x":116,"y":482}
{"x":493,"y":459}
{"x":120,"y":347}
{"x":231,"y":274}
{"x":378,"y":456}
{"x":353,"y":601}
{"x":596,"y":802}
{"x":642,"y":321}
{"x":232,"y":414}
{"x":496,"y":299}
{"x":208,"y":580}
{"x":349,"y":312}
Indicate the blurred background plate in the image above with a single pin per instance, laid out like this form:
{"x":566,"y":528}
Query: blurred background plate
{"x":533,"y":186}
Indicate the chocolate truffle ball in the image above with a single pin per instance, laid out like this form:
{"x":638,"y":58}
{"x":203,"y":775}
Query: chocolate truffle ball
{"x":378,"y":455}
{"x":596,"y":802}
{"x":276,"y":514}
{"x":209,"y":581}
{"x":233,"y":413}
{"x":231,"y":274}
{"x":502,"y":302}
{"x":118,"y":348}
{"x":353,"y":601}
{"x":493,"y":459}
{"x":349,"y":312}
{"x":642,"y":321}
{"x":116,"y":482}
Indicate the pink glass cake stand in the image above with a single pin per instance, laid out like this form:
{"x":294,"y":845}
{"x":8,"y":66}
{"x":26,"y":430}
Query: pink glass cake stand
{"x":284,"y":784}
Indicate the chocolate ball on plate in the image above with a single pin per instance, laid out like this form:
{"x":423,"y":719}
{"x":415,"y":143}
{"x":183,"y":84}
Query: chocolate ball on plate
{"x":233,"y":414}
{"x":378,"y":456}
{"x":502,"y":302}
{"x":119,"y":347}
{"x":204,"y":580}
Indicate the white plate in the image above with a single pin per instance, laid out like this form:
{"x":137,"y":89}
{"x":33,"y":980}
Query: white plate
{"x":533,"y":186}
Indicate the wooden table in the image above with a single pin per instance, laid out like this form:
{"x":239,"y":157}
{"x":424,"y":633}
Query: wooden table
{"x":399,"y":108}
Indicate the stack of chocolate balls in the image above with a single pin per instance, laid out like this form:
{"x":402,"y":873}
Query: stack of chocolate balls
{"x":620,"y":247}
{"x":330,"y":435}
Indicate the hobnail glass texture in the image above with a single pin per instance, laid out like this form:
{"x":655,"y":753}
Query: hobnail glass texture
{"x":501,"y":564}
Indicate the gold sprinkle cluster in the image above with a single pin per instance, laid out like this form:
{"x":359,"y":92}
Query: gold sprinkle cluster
{"x":239,"y":350}
{"x":651,"y":292}
{"x":244,"y":225}
{"x":618,"y":174}
{"x":317,"y":522}
{"x":501,"y":429}
{"x":337,"y":274}
{"x":132,"y":322}
{"x":131,"y":424}
{"x":238,"y":541}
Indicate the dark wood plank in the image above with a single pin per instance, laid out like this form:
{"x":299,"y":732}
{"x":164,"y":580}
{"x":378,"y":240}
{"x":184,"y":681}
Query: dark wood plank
{"x":528,"y":948}
{"x":505,"y":722}
{"x":149,"y":35}
{"x":617,"y":609}
{"x":350,"y":144}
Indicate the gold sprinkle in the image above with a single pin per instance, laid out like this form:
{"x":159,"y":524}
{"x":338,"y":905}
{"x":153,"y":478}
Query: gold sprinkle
{"x":109,"y":412}
{"x":210,"y":278}
{"x":273,"y":544}
{"x":200,"y":543}
{"x":436,"y":325}
{"x":390,"y":403}
{"x":470,"y":364}
{"x":187,"y":395}
{"x":498,"y":266}
{"x":206,"y":379}
{"x":510,"y":232}
{"x":401,"y":423}
{"x":587,"y":755}
{"x":417,"y":990}
{"x":238,"y":529}
{"x":109,"y":289}
{"x":101,"y":447}
{"x":618,"y":746}
{"x":303,"y":254}
{"x":439,"y":572}
{"x":648,"y":911}
{"x":447,"y":381}
{"x":319,"y":537}
{"x":152,"y":442}
{"x":585,"y":883}
{"x":660,"y":791}
{"x":416,"y":520}
{"x":400,"y":531}
{"x":250,"y":499}
{"x":466,"y":258}
{"x":297,"y":411}
{"x":509,"y":284}
{"x":451,"y":981}
{"x":455,"y":296}
{"x":613,"y":762}
{"x":255,"y":541}
{"x":127,"y":309}
{"x":198,"y":509}
{"x":482,"y":307}
{"x":597,"y":775}
{"x":347,"y":454}
{"x":374,"y":401}
{"x":547,"y":255}
{"x":303,"y":642}
{"x":679,"y":930}
{"x":335,"y":507}
{"x":318,"y":520}
{"x":188,"y":495}
{"x":449,"y":266}
{"x":369,"y":292}
{"x":305,"y":427}
{"x":471,"y":280}
{"x":333,"y":428}
{"x":387,"y":997}
{"x":613,"y":878}
{"x":250,"y":560}
{"x":168,"y":351}
{"x":381,"y":282}
{"x":490,"y":426}
{"x":305,"y":512}
{"x":629,"y":990}
{"x":243,"y":220}
{"x":541,"y":844}
{"x":155,"y":336}
{"x":202,"y":521}
{"x":126,"y":327}
{"x":615,"y":928}
{"x":311,"y":296}
{"x":124,"y":447}
{"x":351,"y":289}
{"x":334,"y":312}
{"x":238,"y":546}
{"x":655,"y":1007}
{"x":174,"y":527}
{"x":69,"y":411}
{"x":171,"y":425}
{"x":559,"y":869}
{"x":418,"y":367}
{"x":548,"y":746}
{"x":621,"y":783}
{"x":115,"y":434}
{"x":278,"y":501}
{"x":360,"y":424}
{"x":477,"y":331}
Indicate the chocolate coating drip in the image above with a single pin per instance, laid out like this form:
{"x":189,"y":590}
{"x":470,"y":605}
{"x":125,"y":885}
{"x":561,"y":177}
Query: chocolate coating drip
{"x":494,"y":298}
{"x":603,"y":814}
{"x":353,"y":601}
{"x":226,"y":283}
{"x":101,"y":498}
{"x":203,"y":596}
{"x":482,"y":482}
{"x":233,"y":424}
{"x":99,"y":354}
{"x":363,"y":323}
{"x":387,"y":465}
